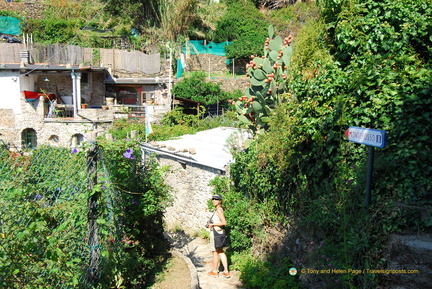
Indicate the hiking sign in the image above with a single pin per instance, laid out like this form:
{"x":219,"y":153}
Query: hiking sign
{"x":367,"y":136}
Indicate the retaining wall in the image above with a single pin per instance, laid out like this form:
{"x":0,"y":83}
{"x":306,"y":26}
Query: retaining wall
{"x":190,"y":194}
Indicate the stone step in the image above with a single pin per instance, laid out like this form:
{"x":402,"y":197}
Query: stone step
{"x":410,"y":259}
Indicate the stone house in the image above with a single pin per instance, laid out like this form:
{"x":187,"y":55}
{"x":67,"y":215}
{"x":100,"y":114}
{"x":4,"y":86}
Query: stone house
{"x":61,"y":104}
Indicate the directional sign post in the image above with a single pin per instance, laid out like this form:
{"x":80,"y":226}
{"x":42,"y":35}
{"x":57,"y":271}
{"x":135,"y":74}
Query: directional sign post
{"x":367,"y":136}
{"x":373,"y":138}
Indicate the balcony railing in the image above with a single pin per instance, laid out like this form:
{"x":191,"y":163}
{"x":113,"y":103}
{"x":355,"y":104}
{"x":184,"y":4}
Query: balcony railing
{"x":132,"y":111}
{"x":99,"y":112}
{"x":60,"y":111}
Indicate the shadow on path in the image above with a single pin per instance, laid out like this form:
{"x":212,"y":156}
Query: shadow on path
{"x":198,"y":251}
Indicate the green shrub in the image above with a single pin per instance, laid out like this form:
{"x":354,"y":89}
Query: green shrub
{"x":228,"y":119}
{"x":305,"y":163}
{"x":122,"y":129}
{"x":43,"y":219}
{"x":292,"y":18}
{"x":59,"y":210}
{"x":195,"y":87}
{"x":131,"y":219}
{"x":161,"y":133}
{"x":270,"y":274}
{"x":52,"y":30}
{"x":245,"y":26}
{"x":10,"y":14}
{"x":177,"y":117}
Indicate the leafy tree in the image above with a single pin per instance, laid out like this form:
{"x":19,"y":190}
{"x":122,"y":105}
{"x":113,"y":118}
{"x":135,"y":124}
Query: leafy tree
{"x":195,"y":87}
{"x":245,"y":26}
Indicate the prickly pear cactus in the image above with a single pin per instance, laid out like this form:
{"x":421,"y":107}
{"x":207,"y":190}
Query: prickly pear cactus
{"x":267,"y":82}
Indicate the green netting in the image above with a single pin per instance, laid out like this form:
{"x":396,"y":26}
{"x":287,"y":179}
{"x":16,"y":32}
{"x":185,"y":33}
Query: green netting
{"x":10,"y":25}
{"x":65,"y":224}
{"x":198,"y":47}
{"x":179,"y":68}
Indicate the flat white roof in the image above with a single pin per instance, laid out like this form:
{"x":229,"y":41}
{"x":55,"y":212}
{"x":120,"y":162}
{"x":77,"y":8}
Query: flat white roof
{"x":211,"y":146}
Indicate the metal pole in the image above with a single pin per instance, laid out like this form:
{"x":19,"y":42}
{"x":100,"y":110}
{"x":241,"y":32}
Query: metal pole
{"x":75,"y":100}
{"x":369,"y":176}
{"x":170,"y":96}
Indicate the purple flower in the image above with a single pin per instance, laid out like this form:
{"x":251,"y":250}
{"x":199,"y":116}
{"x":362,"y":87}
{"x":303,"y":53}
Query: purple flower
{"x":128,"y":154}
{"x":74,"y":151}
{"x":38,"y":197}
{"x":135,"y":202}
{"x":103,"y":187}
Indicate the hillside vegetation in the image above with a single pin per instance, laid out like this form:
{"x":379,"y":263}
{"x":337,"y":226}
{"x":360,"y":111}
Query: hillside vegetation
{"x":361,"y":63}
{"x":354,"y":63}
{"x":149,"y":25}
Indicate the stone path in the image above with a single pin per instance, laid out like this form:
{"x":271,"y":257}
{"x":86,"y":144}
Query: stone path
{"x":198,"y":251}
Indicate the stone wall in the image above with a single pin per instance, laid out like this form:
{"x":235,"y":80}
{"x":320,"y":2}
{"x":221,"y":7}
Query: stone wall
{"x":230,"y":83}
{"x":215,"y":64}
{"x":7,"y":118}
{"x":93,"y":88}
{"x":219,"y":72}
{"x":190,"y":194}
{"x":30,"y":10}
{"x":7,"y":125}
{"x":207,"y":62}
{"x":54,"y":131}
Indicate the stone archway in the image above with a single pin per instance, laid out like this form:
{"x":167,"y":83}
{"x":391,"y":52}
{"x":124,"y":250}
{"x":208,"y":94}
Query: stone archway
{"x":77,"y":140}
{"x":28,"y":138}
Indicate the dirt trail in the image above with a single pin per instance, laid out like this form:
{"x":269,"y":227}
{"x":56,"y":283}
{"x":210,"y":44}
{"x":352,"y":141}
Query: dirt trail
{"x":198,"y":251}
{"x":176,"y":276}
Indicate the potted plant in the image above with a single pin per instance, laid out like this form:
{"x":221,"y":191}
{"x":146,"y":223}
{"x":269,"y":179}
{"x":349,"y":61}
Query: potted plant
{"x":84,"y":105}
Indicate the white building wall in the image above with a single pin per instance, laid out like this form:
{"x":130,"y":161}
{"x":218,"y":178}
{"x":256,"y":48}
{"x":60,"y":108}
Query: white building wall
{"x":10,"y":90}
{"x":28,"y":82}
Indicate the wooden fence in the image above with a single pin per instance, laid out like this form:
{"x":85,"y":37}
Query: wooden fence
{"x":133,"y":61}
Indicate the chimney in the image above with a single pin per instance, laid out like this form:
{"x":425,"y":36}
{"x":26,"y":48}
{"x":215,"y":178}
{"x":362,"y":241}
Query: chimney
{"x":25,"y":56}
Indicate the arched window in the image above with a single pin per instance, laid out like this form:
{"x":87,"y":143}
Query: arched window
{"x":54,"y":139}
{"x":77,"y":140}
{"x":28,"y":138}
